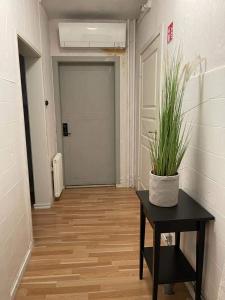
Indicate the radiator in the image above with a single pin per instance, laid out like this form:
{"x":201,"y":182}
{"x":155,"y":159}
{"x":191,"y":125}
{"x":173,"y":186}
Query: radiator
{"x":58,"y":175}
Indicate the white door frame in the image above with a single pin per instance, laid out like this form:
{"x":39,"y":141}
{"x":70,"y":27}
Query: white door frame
{"x":159,"y":34}
{"x":40,"y":156}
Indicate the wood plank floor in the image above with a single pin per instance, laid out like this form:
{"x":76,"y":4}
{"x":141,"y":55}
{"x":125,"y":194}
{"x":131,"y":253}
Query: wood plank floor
{"x":86,"y":248}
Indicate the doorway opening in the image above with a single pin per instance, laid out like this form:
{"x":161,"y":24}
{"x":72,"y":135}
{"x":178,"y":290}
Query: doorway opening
{"x":38,"y":160}
{"x":27,"y":127}
{"x":87,"y":113}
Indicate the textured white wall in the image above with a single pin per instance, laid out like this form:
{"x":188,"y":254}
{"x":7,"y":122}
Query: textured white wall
{"x":199,"y":28}
{"x":125,"y":175}
{"x":16,"y":17}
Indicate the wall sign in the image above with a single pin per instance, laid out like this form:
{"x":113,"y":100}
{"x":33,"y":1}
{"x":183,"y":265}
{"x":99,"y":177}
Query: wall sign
{"x":170,"y":33}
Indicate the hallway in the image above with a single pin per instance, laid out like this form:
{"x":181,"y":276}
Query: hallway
{"x":83,"y":87}
{"x":86,"y":248}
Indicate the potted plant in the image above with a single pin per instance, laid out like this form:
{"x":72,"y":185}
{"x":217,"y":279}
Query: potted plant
{"x":168,"y":147}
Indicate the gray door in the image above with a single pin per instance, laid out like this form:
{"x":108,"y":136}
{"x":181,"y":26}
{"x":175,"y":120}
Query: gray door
{"x":88,"y":107}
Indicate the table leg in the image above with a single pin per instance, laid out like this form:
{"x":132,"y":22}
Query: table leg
{"x":177,"y":240}
{"x":142,"y":240}
{"x":199,"y":259}
{"x":156,"y":257}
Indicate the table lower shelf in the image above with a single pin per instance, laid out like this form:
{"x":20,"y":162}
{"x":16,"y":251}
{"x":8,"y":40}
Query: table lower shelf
{"x":173,"y":266}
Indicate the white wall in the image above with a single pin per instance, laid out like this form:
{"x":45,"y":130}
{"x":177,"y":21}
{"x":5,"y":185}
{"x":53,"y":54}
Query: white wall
{"x":48,"y":85}
{"x":199,"y":28}
{"x":16,"y":17}
{"x":126,"y":177}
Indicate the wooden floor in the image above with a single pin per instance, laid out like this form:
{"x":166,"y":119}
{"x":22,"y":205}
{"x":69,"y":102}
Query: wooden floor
{"x":86,"y":248}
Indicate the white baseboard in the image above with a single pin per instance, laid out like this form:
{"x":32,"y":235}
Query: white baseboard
{"x":123,"y":183}
{"x":72,"y":187}
{"x":119,"y":185}
{"x":21,"y":272}
{"x":42,"y":206}
{"x":190,"y":288}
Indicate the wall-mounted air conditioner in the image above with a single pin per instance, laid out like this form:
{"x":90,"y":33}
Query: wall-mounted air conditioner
{"x":92,"y":35}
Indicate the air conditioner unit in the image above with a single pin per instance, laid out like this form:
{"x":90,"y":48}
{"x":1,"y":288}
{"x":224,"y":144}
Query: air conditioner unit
{"x":92,"y":35}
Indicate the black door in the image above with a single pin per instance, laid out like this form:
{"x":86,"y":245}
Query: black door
{"x":27,"y":127}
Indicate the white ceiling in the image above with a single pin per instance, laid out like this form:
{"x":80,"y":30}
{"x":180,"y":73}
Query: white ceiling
{"x":93,"y":9}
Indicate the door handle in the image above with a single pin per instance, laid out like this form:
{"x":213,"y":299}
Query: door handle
{"x":153,"y":132}
{"x":65,"y":130}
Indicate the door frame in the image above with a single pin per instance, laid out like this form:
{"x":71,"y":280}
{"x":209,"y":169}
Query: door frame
{"x":159,"y":34}
{"x":56,"y":60}
{"x":42,"y":172}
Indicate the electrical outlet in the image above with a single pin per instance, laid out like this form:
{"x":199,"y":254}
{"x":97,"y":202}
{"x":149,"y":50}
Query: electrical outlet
{"x":168,"y":238}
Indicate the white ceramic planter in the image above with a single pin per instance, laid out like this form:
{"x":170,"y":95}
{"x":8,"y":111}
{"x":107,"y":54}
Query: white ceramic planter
{"x":163,"y":190}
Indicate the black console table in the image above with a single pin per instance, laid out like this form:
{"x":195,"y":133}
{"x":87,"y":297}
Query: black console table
{"x":167,"y":263}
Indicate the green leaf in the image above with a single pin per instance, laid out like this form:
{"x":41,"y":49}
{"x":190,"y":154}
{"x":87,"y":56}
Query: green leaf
{"x":170,"y":144}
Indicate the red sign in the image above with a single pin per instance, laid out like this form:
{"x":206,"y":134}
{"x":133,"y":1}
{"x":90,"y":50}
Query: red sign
{"x":170,"y":33}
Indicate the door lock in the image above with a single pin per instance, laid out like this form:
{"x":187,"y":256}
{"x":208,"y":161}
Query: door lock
{"x":65,"y":130}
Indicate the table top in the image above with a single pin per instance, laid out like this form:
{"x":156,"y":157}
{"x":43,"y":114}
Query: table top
{"x":186,"y":210}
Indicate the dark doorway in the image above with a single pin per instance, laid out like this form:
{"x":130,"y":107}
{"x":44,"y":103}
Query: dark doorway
{"x":27,"y":127}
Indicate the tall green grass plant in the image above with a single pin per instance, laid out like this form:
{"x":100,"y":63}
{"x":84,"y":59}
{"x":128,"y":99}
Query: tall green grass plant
{"x":170,"y":144}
